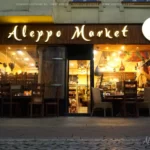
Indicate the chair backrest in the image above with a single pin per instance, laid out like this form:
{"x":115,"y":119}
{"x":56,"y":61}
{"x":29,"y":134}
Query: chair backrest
{"x":38,"y":92}
{"x":96,"y":95}
{"x":130,"y":89}
{"x":5,"y":90}
{"x":147,"y":94}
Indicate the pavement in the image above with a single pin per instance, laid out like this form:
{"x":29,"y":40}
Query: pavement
{"x":72,"y":133}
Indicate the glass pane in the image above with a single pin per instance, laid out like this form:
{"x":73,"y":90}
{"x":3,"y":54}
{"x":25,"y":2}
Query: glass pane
{"x":79,"y":86}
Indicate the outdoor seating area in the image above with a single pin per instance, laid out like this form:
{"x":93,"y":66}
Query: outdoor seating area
{"x":129,"y":103}
{"x":18,"y":100}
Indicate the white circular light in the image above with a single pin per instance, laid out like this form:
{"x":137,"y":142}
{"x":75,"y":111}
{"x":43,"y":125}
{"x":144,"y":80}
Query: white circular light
{"x":146,"y":29}
{"x":94,"y":52}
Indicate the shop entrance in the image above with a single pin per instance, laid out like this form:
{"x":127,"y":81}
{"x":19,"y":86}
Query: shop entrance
{"x":79,"y":79}
{"x":79,"y":86}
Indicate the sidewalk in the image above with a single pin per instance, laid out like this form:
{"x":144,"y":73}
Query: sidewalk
{"x":75,"y":132}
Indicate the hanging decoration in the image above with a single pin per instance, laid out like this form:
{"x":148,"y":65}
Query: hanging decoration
{"x":122,"y":67}
{"x":12,"y":66}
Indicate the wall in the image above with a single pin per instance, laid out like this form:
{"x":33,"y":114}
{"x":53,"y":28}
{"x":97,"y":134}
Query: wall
{"x":109,"y":11}
{"x":25,"y":7}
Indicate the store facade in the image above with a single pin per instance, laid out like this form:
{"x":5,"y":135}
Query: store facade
{"x":65,"y":57}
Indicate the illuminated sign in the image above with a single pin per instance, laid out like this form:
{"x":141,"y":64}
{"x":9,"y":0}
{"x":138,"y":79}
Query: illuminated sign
{"x":146,"y":29}
{"x":45,"y":35}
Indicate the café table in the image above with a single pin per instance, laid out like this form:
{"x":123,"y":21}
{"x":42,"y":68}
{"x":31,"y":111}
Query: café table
{"x":116,"y":99}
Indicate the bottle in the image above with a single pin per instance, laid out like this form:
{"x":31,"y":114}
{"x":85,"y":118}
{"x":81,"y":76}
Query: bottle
{"x":122,"y":68}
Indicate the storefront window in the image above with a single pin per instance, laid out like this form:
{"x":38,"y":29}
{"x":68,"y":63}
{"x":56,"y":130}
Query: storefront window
{"x":114,"y":64}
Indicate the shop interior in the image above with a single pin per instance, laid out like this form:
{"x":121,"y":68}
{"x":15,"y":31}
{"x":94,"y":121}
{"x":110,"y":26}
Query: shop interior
{"x":113,"y":64}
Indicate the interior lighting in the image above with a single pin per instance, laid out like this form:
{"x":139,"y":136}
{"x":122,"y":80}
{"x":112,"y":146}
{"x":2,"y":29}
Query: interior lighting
{"x":26,"y":59}
{"x":108,"y":58}
{"x":117,"y":59}
{"x":32,"y":65}
{"x":20,"y":52}
{"x":9,"y":47}
{"x":13,"y":53}
{"x":72,"y":64}
{"x":94,"y":52}
{"x":122,"y":47}
{"x":114,"y":54}
{"x":119,"y":52}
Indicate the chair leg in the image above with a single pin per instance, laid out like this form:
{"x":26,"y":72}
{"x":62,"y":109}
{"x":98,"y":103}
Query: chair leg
{"x":31,"y":109}
{"x":104,"y":112}
{"x":124,"y":110}
{"x":57,"y":110}
{"x":112,"y":113}
{"x":2,"y":110}
{"x":42,"y":111}
{"x":137,"y":112}
{"x":10,"y":113}
{"x":92,"y":112}
{"x":149,"y":111}
{"x":46,"y":109}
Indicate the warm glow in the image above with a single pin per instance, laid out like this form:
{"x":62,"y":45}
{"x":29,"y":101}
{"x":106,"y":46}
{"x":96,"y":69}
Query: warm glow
{"x":19,"y":71}
{"x":108,"y":58}
{"x":20,"y":52}
{"x":25,"y":48}
{"x":122,"y":47}
{"x":120,"y":52}
{"x":26,"y":59}
{"x":94,"y":52}
{"x":107,"y":47}
{"x":13,"y":53}
{"x":72,"y":64}
{"x":114,"y":54}
{"x":9,"y":47}
{"x":32,"y":65}
{"x":103,"y":69}
{"x":117,"y":59}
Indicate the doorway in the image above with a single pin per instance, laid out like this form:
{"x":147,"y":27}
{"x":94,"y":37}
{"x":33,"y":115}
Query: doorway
{"x":79,"y":87}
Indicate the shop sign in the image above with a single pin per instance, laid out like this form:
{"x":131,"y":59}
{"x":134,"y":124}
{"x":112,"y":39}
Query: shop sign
{"x":45,"y":35}
{"x":146,"y":29}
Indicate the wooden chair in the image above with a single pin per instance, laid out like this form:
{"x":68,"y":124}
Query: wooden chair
{"x":130,"y":98}
{"x":55,"y":103}
{"x":37,"y":99}
{"x":97,"y":100}
{"x":6,"y":96}
{"x":146,"y":102}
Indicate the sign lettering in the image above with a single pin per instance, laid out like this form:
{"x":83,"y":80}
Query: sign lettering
{"x":82,"y":32}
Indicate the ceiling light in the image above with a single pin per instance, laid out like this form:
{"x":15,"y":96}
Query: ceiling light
{"x":13,"y":53}
{"x":114,"y":54}
{"x":26,"y":59}
{"x":94,"y":52}
{"x":71,"y":64}
{"x":122,"y":47}
{"x":137,"y":47}
{"x":9,"y":47}
{"x":120,"y":52}
{"x":25,"y":48}
{"x":107,"y":47}
{"x":32,"y":65}
{"x":20,"y":52}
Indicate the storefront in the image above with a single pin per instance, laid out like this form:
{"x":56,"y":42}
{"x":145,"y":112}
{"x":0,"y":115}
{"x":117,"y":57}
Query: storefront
{"x":69,"y":56}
